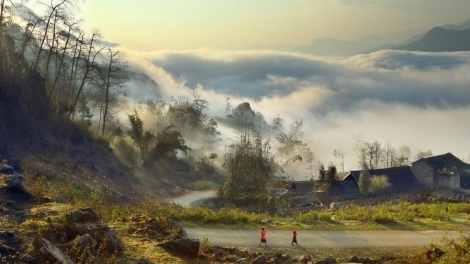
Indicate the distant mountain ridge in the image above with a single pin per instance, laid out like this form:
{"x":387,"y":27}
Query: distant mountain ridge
{"x":440,"y":39}
{"x":445,"y":38}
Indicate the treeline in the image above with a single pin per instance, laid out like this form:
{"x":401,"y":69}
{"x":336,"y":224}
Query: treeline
{"x":374,"y":155}
{"x":82,"y":75}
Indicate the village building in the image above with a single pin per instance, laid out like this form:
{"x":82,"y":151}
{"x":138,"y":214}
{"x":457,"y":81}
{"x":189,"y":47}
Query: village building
{"x":401,"y":179}
{"x":442,"y":171}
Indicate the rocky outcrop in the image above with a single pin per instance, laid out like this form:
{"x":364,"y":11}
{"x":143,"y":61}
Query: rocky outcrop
{"x":6,"y":169}
{"x":187,"y":247}
{"x":48,"y":253}
{"x":159,"y":228}
{"x":86,"y":221}
{"x":16,"y":185}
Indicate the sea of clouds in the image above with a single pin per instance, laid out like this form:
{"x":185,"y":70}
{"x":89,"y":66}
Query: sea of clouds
{"x":420,"y":100}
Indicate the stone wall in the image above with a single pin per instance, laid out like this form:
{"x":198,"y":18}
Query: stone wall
{"x":449,"y":181}
{"x":423,"y":172}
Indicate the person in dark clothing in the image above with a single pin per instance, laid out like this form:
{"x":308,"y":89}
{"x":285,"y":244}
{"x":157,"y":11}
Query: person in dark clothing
{"x":294,"y":238}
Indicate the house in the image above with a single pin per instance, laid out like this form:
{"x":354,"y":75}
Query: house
{"x":344,"y":190}
{"x":441,"y":171}
{"x":300,"y":187}
{"x":401,"y":179}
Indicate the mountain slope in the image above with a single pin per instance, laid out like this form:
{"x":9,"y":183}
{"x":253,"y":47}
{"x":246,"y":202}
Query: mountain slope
{"x":439,"y":40}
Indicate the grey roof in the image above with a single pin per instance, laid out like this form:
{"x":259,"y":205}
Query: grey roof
{"x":447,"y":160}
{"x":402,"y":179}
{"x":303,"y":187}
{"x":347,"y":189}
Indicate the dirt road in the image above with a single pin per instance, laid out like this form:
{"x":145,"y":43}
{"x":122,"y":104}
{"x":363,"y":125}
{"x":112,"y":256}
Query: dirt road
{"x":191,"y":199}
{"x":322,"y":239}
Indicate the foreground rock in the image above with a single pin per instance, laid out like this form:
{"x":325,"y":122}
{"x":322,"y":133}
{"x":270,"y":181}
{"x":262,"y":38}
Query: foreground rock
{"x":185,"y":246}
{"x":86,"y":221}
{"x":6,"y":169}
{"x":16,"y":185}
{"x":48,"y":253}
{"x":82,"y":236}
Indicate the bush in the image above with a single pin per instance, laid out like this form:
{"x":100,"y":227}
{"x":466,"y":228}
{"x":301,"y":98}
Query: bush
{"x":379,"y":183}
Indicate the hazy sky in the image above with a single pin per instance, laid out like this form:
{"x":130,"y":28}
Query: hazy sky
{"x":220,"y":24}
{"x":415,"y":99}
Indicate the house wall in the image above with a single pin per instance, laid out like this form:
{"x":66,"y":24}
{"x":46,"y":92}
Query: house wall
{"x":423,"y":172}
{"x":450,"y":181}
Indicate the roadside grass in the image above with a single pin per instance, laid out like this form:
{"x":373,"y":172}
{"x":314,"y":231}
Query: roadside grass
{"x":342,"y":255}
{"x":387,"y":216}
{"x":398,"y":216}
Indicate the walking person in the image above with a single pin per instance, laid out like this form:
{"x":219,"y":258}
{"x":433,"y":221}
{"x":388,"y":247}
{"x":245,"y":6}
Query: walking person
{"x":294,"y":238}
{"x":262,"y":234}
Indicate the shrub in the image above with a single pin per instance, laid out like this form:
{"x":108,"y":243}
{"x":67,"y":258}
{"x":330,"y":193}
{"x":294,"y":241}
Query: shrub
{"x":379,"y":183}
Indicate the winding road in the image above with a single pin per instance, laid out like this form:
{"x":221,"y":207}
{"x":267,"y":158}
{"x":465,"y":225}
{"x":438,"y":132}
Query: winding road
{"x":191,"y":199}
{"x":309,"y":239}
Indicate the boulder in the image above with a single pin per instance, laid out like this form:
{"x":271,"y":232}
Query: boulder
{"x":144,"y":261}
{"x":328,"y":260}
{"x":242,"y":261}
{"x":260,"y":260}
{"x":185,"y":246}
{"x":58,"y":199}
{"x":434,"y":253}
{"x":6,"y":169}
{"x":304,"y":258}
{"x":85,"y":241}
{"x":181,"y":233}
{"x":82,"y":216}
{"x":86,"y":221}
{"x":16,"y":185}
{"x":48,"y":253}
{"x":6,"y":250}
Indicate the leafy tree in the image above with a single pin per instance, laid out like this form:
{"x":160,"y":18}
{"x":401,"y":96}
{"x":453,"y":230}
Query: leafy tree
{"x":137,"y":134}
{"x":168,"y":143}
{"x":212,"y":157}
{"x":331,"y":174}
{"x":210,"y":131}
{"x":290,"y":142}
{"x":249,"y":168}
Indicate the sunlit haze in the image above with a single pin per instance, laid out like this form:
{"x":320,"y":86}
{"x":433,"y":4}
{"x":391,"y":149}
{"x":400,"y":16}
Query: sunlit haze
{"x":189,"y":24}
{"x":258,"y":52}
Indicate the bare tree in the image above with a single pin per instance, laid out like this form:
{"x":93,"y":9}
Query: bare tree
{"x":115,"y":65}
{"x":340,"y":154}
{"x":52,"y":11}
{"x":89,"y":64}
{"x":423,"y":154}
{"x":5,"y":14}
{"x":373,"y":152}
{"x":67,"y":36}
{"x":389,"y":154}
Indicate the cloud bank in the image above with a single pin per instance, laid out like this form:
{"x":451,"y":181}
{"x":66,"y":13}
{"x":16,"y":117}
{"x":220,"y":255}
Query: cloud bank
{"x":417,"y":99}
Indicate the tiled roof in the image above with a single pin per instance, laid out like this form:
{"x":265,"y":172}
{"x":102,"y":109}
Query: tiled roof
{"x":447,"y":160}
{"x":402,"y":179}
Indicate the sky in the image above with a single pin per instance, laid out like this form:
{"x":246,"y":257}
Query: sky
{"x":149,"y":25}
{"x":414,"y":100}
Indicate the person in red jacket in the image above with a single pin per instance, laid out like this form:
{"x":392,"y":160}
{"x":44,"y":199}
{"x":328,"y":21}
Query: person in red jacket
{"x":294,"y":238}
{"x":262,"y":234}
